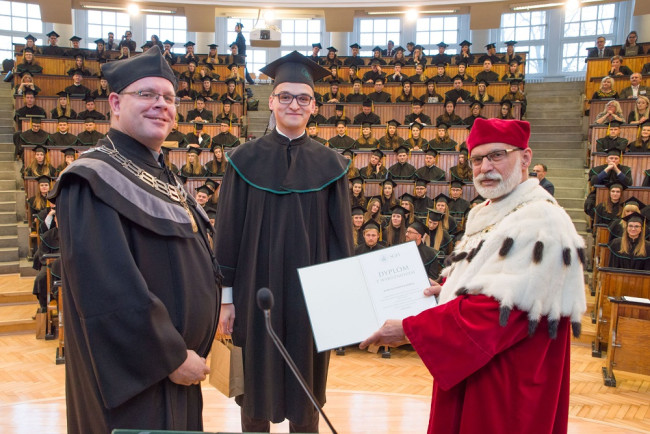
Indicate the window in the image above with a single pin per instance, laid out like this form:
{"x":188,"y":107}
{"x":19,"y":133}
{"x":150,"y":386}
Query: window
{"x":169,"y":27}
{"x":377,"y":32}
{"x":300,"y":33}
{"x":529,"y":30}
{"x":255,"y":60}
{"x":581,"y":27}
{"x":100,"y":23}
{"x":18,"y":17}
{"x":430,"y":31}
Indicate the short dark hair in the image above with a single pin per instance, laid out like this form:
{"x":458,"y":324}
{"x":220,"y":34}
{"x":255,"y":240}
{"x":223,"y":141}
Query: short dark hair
{"x":543,"y":166}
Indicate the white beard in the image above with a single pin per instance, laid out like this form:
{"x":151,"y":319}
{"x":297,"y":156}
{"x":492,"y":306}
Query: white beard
{"x":503,"y":188}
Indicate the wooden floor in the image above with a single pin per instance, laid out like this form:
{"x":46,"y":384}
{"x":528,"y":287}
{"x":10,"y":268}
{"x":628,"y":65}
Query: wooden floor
{"x":365,"y":392}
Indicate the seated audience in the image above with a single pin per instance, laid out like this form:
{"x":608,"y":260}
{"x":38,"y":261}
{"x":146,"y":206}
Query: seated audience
{"x":102,"y":90}
{"x":312,"y":131}
{"x":198,"y":137}
{"x":77,"y":89}
{"x":437,"y":237}
{"x":365,"y":139}
{"x":402,"y":169}
{"x":449,"y":116}
{"x":481,"y":94}
{"x":613,"y":140}
{"x":487,"y":74}
{"x":641,"y":112}
{"x":415,"y":141}
{"x":357,"y":196}
{"x":407,"y":92}
{"x":388,"y":197}
{"x":395,"y":231}
{"x":90,"y":111}
{"x":506,"y":110}
{"x":397,"y":76}
{"x":26,"y":83}
{"x":635,"y":89}
{"x":430,"y":172}
{"x":63,"y":137}
{"x":600,"y":51}
{"x":356,"y":96}
{"x":458,"y":94}
{"x":199,"y":112}
{"x":367,"y":116}
{"x":442,"y":141}
{"x":612,"y":113}
{"x":69,"y":155}
{"x":606,"y":89}
{"x":30,"y":109}
{"x":391,"y":141}
{"x":370,"y":230}
{"x":29,"y":63}
{"x":417,"y":115}
{"x":462,"y":171}
{"x":631,"y":251}
{"x":40,"y":165}
{"x":642,"y":143}
{"x":475,"y":108}
{"x":339,"y":115}
{"x":225,"y":138}
{"x":192,"y":167}
{"x":379,"y":95}
{"x":611,"y":209}
{"x":618,"y":69}
{"x":80,"y":66}
{"x":419,"y":76}
{"x":52,"y":49}
{"x":430,"y":96}
{"x":89,"y":136}
{"x":34,"y":136}
{"x":631,"y":48}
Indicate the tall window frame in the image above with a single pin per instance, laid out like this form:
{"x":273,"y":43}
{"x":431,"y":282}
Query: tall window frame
{"x":376,"y":32}
{"x":431,"y":30}
{"x":580,"y":29}
{"x":530,"y":30}
{"x":301,"y":33}
{"x":169,"y":27}
{"x":16,"y":21}
{"x":100,"y":23}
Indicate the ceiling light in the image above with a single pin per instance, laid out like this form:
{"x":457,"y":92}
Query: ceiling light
{"x":442,"y":11}
{"x":532,"y":6}
{"x":109,"y":7}
{"x":133,"y":9}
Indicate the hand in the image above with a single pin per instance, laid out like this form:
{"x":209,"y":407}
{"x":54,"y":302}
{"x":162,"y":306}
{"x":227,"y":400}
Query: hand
{"x":434,"y":289}
{"x":226,"y":318}
{"x":391,"y":333}
{"x":192,"y":371}
{"x":609,"y":167}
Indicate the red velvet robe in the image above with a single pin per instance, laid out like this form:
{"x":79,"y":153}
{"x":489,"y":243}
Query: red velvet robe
{"x":488,"y":378}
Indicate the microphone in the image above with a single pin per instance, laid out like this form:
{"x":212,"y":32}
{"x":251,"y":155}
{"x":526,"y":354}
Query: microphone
{"x":265,"y":303}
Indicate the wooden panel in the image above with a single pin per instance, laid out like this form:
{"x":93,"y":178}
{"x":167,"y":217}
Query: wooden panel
{"x":101,"y":105}
{"x":641,"y":193}
{"x":51,"y":84}
{"x":497,"y":90}
{"x":639,"y":163}
{"x":617,"y":283}
{"x":398,"y":111}
{"x":632,"y":335}
{"x":598,"y":68}
{"x":373,"y":188}
{"x":60,"y":65}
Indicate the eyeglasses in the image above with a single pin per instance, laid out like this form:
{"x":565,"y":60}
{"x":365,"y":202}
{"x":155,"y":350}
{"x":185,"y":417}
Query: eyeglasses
{"x":631,"y":226}
{"x":152,"y":97}
{"x":493,"y":157}
{"x":287,"y":98}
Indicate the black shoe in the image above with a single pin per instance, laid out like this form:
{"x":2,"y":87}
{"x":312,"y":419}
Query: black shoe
{"x":386,"y":353}
{"x":340,"y":351}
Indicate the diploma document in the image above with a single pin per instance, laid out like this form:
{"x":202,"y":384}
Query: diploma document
{"x":349,"y":299}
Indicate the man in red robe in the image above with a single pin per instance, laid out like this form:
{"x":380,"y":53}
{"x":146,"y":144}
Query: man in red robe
{"x":498,"y":343}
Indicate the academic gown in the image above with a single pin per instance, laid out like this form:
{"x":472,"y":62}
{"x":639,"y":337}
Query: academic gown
{"x":284,"y":204}
{"x":629,"y":261}
{"x":177,"y":136}
{"x":454,"y":176}
{"x":29,"y":137}
{"x":67,"y":139}
{"x":226,"y":139}
{"x":429,"y":257}
{"x":468,"y":354}
{"x":86,"y":138}
{"x":364,"y":248}
{"x":401,"y":171}
{"x":433,"y":173}
{"x":141,"y":288}
{"x":421,"y":204}
{"x":25,"y":111}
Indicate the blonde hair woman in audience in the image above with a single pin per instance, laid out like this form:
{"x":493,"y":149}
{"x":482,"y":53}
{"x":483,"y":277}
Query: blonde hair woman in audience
{"x":606,"y":89}
{"x":40,"y":165}
{"x":448,"y":222}
{"x":234,"y":73}
{"x":438,"y":237}
{"x":641,"y":112}
{"x":612,"y":112}
{"x":39,"y":201}
{"x":102,"y":90}
{"x":192,"y":167}
{"x":398,"y":56}
{"x":63,"y":107}
{"x":125,"y":53}
{"x":374,"y":210}
{"x":642,"y":142}
{"x":631,"y":250}
{"x":617,"y":227}
{"x":408,"y":206}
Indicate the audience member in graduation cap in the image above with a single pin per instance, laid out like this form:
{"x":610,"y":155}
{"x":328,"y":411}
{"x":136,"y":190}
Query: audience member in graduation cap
{"x":617,"y":226}
{"x":366,"y":115}
{"x":375,"y":168}
{"x":35,"y":135}
{"x":462,"y":72}
{"x":395,"y":231}
{"x":430,"y":171}
{"x":357,"y":195}
{"x":416,"y":114}
{"x":353,"y":172}
{"x":80,"y":66}
{"x":341,"y":140}
{"x":102,"y":90}
{"x":225,"y":138}
{"x":430,"y":96}
{"x":26,"y":83}
{"x":379,"y":95}
{"x":77,"y":89}
{"x":357,"y":221}
{"x":475,"y":109}
{"x":52,"y":49}
{"x":226,"y":113}
{"x":391,"y":140}
{"x":631,"y":251}
{"x":40,"y":165}
{"x":63,"y":107}
{"x":39,"y":201}
{"x":442,"y":141}
{"x":198,"y":137}
{"x":612,"y":207}
{"x":481,"y":94}
{"x":402,"y":169}
{"x":374,"y":210}
{"x":30,"y":109}
{"x":137,"y":331}
{"x":312,"y":131}
{"x":89,"y":136}
{"x":462,"y":171}
{"x":513,"y":71}
{"x":272,"y":186}
{"x":356,"y":96}
{"x":421,"y":201}
{"x":429,"y":256}
{"x":415,"y":141}
{"x":231,"y":93}
{"x":315,"y":50}
{"x":339,"y":114}
{"x":437,"y":237}
{"x":63,"y":137}
{"x":365,"y":139}
{"x":388,"y":197}
{"x":90,"y":111}
{"x":441,"y":74}
{"x":406,"y":201}
{"x":371,"y":238}
{"x":442,"y":205}
{"x":29,"y":63}
{"x":506,"y":110}
{"x":449,"y":116}
{"x":69,"y":155}
{"x":407,"y":92}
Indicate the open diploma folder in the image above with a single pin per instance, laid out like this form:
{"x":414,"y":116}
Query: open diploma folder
{"x":349,"y":299}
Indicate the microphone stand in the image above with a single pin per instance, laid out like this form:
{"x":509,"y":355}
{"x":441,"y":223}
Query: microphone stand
{"x":293,"y":367}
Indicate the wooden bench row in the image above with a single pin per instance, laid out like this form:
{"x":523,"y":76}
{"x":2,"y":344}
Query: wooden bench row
{"x":445,"y":160}
{"x":599,"y":68}
{"x":101,"y":105}
{"x":497,"y":90}
{"x":52,"y":84}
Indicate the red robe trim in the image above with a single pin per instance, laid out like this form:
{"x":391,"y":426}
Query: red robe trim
{"x":488,"y":378}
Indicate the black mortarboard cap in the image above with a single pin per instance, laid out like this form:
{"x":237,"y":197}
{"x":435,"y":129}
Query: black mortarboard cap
{"x":457,"y":77}
{"x":416,"y":124}
{"x":194,"y":150}
{"x":382,"y":79}
{"x":388,"y":180}
{"x":357,"y":80}
{"x":490,"y":45}
{"x":358,"y":210}
{"x":510,"y":43}
{"x":418,"y":47}
{"x":431,"y":151}
{"x":442,"y":44}
{"x":309,"y":124}
{"x":394,"y":123}
{"x":168,"y":42}
{"x":419,"y":227}
{"x":613,"y":151}
{"x":205,"y":189}
{"x":370,"y":224}
{"x":43,"y":178}
{"x":189,"y":44}
{"x":418,"y":102}
{"x":616,"y":185}
{"x":39,"y":148}
{"x":407,"y":197}
{"x":421,"y":182}
{"x":634,"y":217}
{"x":398,"y":62}
{"x":441,"y":64}
{"x":514,"y":81}
{"x":401,"y":149}
{"x":147,"y":44}
{"x":455,"y":184}
{"x":348,"y":151}
{"x":398,"y":209}
{"x":62,"y":119}
{"x":212,"y":46}
{"x":375,"y":61}
{"x":62,"y":94}
{"x":317,"y":45}
{"x":28,"y":50}
{"x":295,"y":68}
{"x":435,"y":215}
{"x":212,"y":184}
{"x":465,"y":43}
{"x":30,"y":37}
{"x":149,"y":64}
{"x":230,"y":80}
{"x":356,"y":180}
{"x":69,"y":151}
{"x":377,"y":153}
{"x":88,"y":98}
{"x":400,"y":48}
{"x":75,"y":39}
{"x":342,"y":121}
{"x":377,"y":48}
{"x":475,"y":103}
{"x":442,"y":125}
{"x":442,"y":198}
{"x":232,"y":45}
{"x":29,"y":91}
{"x":355,"y":45}
{"x":485,"y":82}
{"x":99,"y":41}
{"x":366,"y":125}
{"x":367,"y":102}
{"x":52,"y":33}
{"x":339,"y":107}
{"x":507,"y":102}
{"x":615,"y":124}
{"x":332,"y":49}
{"x":634,"y":201}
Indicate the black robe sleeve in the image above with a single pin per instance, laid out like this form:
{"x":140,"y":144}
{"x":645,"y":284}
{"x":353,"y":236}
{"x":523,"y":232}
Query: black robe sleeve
{"x":128,"y":331}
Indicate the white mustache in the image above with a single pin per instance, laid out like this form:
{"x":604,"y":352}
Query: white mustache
{"x":488,"y":177}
